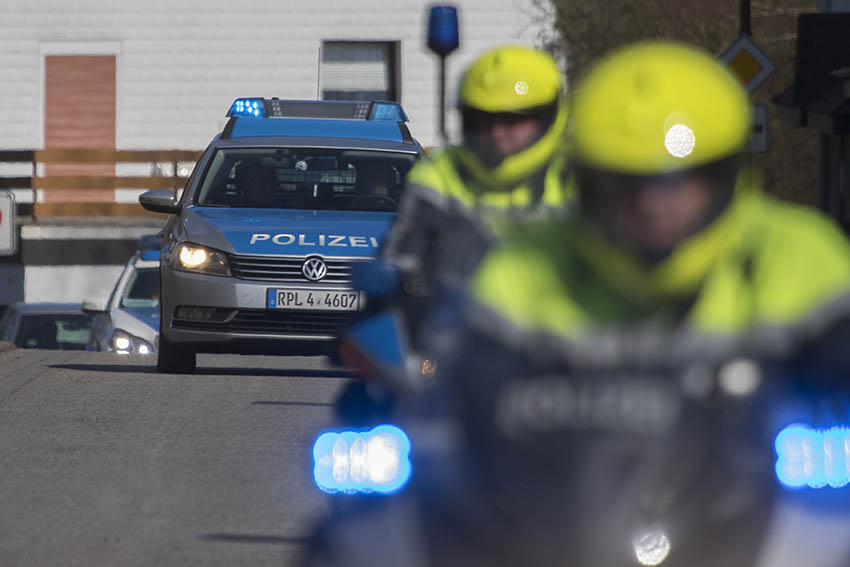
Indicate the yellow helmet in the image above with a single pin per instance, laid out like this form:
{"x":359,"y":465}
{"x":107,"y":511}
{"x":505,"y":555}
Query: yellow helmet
{"x":514,"y":80}
{"x":659,"y":115}
{"x":658,"y":107}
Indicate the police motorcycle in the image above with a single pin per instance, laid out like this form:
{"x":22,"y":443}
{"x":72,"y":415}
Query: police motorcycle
{"x":553,"y":456}
{"x":379,"y":343}
{"x":376,"y":345}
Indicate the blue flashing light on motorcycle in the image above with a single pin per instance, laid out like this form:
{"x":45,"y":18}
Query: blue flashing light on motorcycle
{"x":812,"y":457}
{"x":377,"y":460}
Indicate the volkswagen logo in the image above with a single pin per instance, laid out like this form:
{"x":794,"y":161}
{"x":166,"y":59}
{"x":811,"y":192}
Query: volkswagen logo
{"x":314,"y":268}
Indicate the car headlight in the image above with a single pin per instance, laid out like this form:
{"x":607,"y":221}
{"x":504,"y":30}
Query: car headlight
{"x":194,"y":258}
{"x":123,"y":342}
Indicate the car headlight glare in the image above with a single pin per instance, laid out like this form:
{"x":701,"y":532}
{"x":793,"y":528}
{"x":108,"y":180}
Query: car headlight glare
{"x":124,"y":343}
{"x":194,"y":258}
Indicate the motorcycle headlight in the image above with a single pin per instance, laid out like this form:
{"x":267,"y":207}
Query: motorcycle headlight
{"x":194,"y":258}
{"x":123,"y":342}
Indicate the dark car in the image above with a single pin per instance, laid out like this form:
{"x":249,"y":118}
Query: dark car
{"x":61,"y":326}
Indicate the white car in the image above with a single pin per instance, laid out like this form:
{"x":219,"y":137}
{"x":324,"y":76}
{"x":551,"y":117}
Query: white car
{"x":129,"y":322}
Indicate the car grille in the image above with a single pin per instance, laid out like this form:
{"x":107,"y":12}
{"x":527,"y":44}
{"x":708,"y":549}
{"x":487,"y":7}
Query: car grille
{"x":272,"y":322}
{"x":271,"y":269}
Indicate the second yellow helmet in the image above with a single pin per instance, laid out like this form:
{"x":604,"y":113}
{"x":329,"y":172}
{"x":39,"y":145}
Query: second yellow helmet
{"x":510,"y":79}
{"x":514,"y":80}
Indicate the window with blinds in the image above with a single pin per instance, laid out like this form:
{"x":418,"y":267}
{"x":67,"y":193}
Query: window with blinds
{"x":360,"y":70}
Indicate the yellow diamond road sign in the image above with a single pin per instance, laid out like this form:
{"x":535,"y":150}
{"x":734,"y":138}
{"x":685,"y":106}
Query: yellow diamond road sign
{"x":747,"y":62}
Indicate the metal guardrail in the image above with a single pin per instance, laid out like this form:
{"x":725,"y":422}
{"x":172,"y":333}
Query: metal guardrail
{"x":84,"y":194}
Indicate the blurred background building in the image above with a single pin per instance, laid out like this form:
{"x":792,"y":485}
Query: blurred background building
{"x":160,"y":75}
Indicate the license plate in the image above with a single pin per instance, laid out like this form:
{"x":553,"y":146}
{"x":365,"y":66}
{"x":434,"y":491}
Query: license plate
{"x":312,"y":299}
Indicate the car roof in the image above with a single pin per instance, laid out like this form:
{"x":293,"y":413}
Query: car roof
{"x":316,"y":142}
{"x":326,"y":124}
{"x":47,"y":308}
{"x":385,"y":130}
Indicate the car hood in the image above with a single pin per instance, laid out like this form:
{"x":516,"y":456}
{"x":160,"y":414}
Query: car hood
{"x":287,"y":231}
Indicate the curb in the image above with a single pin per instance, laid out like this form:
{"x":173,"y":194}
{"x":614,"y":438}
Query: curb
{"x":6,"y":346}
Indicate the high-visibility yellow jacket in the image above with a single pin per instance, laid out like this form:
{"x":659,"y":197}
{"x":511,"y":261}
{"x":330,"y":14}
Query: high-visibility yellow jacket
{"x":766,"y":277}
{"x":446,"y":221}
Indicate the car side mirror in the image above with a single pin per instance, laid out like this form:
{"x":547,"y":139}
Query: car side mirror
{"x":94,"y":306}
{"x":160,"y":201}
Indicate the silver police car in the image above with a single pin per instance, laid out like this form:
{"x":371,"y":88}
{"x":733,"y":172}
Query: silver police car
{"x":129,"y":322}
{"x":257,"y":255}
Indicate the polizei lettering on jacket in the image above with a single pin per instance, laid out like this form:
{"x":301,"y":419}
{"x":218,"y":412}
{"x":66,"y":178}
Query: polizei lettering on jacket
{"x":548,"y":403}
{"x":328,"y":240}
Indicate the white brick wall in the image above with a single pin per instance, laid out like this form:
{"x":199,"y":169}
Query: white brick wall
{"x":181,"y":62}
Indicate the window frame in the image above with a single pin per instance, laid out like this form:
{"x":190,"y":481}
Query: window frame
{"x":393,"y":64}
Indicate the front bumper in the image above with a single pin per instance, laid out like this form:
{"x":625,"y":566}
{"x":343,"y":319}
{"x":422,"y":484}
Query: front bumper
{"x":240,"y":321}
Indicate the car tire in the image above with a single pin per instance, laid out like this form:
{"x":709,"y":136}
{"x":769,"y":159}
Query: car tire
{"x":173,"y":358}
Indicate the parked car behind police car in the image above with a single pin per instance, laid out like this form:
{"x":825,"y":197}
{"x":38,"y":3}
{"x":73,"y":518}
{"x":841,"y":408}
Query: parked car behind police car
{"x":129,"y":322}
{"x":61,"y":326}
{"x":258,"y":252}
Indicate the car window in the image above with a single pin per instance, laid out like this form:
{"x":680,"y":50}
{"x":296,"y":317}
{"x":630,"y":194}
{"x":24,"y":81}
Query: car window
{"x":142,"y":289}
{"x":47,"y":331}
{"x":305,"y":178}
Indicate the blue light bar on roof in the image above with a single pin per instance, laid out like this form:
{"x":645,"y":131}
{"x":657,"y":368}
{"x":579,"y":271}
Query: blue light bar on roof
{"x":377,"y":460}
{"x":813,"y":457}
{"x":247,"y":107}
{"x":387,"y":111}
{"x":327,"y":109}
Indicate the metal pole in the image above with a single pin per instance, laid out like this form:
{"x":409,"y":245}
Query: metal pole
{"x":319,"y":75}
{"x":442,"y":96}
{"x":823,"y":173}
{"x":745,"y":18}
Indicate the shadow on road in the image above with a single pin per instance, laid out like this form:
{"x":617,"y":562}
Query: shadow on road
{"x":112,"y":368}
{"x":249,"y":538}
{"x":285,"y":372}
{"x":288,"y":372}
{"x":278,"y":403}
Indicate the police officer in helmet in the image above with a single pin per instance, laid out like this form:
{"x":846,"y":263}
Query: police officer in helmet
{"x":603,"y":377}
{"x":511,"y":164}
{"x":458,"y":200}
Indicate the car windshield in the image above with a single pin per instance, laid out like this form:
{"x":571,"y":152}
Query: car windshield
{"x":48,"y":331}
{"x":142,"y":289}
{"x":305,"y":178}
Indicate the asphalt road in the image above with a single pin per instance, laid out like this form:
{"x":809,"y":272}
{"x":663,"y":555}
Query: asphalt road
{"x":105,"y":462}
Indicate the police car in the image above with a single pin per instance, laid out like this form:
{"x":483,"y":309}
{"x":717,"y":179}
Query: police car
{"x":129,"y":324}
{"x":257,"y":254}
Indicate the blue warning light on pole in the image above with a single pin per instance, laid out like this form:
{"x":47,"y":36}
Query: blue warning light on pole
{"x":443,"y":35}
